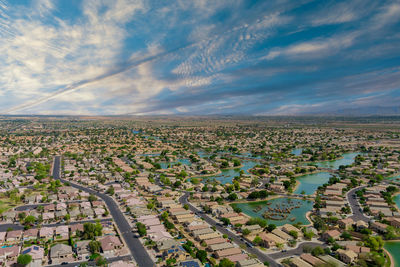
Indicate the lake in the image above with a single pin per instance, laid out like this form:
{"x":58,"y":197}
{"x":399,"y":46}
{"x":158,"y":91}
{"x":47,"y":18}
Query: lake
{"x":394,"y":248}
{"x":297,"y":151}
{"x":347,"y":159}
{"x":310,"y":182}
{"x":164,"y":165}
{"x":227,"y":175}
{"x":257,"y":209}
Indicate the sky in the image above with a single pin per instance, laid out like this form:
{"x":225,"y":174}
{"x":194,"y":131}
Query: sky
{"x":202,"y":57}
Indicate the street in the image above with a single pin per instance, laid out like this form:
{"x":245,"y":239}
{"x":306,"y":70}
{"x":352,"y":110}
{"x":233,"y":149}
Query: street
{"x":261,"y":256}
{"x":135,"y":246}
{"x":355,"y":206}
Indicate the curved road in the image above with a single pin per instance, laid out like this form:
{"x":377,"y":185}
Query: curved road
{"x":135,"y":246}
{"x":297,"y":251}
{"x":261,"y":256}
{"x":355,"y":206}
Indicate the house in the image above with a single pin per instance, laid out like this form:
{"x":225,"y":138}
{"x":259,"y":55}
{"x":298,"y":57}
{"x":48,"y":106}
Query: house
{"x":379,"y":227}
{"x":361,"y":225}
{"x":278,"y":232}
{"x":9,"y":253}
{"x":298,"y":262}
{"x":345,"y":223}
{"x":37,"y":254}
{"x":270,"y":240}
{"x":76,"y":227}
{"x":82,"y":249}
{"x":61,"y":253}
{"x":335,"y":234}
{"x":62,"y":232}
{"x":221,"y":246}
{"x":227,"y":252}
{"x":249,"y":263}
{"x":110,"y":245}
{"x":48,"y":216}
{"x":395,"y":222}
{"x":3,"y":236}
{"x":190,"y":263}
{"x":31,"y":234}
{"x":347,"y":256}
{"x":14,"y":236}
{"x":311,"y":259}
{"x":121,"y":263}
{"x":46,"y":232}
{"x":287,"y":228}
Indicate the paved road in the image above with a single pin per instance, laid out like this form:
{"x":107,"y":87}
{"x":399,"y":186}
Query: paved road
{"x":355,"y":206}
{"x":34,"y":206}
{"x":93,"y":263}
{"x":4,"y":227}
{"x":261,"y":256}
{"x":297,"y":251}
{"x":135,"y":246}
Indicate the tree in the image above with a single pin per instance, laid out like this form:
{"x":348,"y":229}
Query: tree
{"x":294,"y":234}
{"x":257,"y":240}
{"x":101,"y":261}
{"x":236,"y":163}
{"x":246,"y":231}
{"x":232,"y":196}
{"x":308,"y":235}
{"x":317,"y":251}
{"x":94,"y":246}
{"x":92,"y":198}
{"x":375,"y":243}
{"x":225,"y":221}
{"x":110,"y":190}
{"x":226,"y":263}
{"x":30,"y":220}
{"x":24,"y":259}
{"x":91,"y":230}
{"x":171,"y":261}
{"x":201,"y":255}
{"x":141,"y":228}
{"x":346,"y":236}
{"x":224,"y":165}
{"x":21,"y":215}
{"x":271,"y":227}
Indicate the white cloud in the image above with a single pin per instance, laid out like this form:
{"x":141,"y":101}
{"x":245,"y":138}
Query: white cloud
{"x":38,"y":57}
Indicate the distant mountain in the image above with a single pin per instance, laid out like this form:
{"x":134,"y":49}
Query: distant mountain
{"x":364,"y":111}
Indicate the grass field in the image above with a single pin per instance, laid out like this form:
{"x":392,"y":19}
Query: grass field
{"x":5,"y":205}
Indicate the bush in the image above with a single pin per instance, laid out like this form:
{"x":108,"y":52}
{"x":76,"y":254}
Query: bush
{"x":24,"y":259}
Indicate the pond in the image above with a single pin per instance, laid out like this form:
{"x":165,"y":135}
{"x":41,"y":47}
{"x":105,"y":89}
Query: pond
{"x":227,"y":175}
{"x":310,"y":182}
{"x":394,"y":248}
{"x":164,"y":165}
{"x":298,"y":209}
{"x":347,"y":159}
{"x":394,"y":178}
{"x":396,"y":199}
{"x":297,"y":151}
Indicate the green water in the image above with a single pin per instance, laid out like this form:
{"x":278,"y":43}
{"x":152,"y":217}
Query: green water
{"x":310,"y":182}
{"x":297,"y":151}
{"x":164,"y":165}
{"x":347,"y":159}
{"x":298,"y":213}
{"x":394,"y":178}
{"x":397,"y":200}
{"x":226,"y":176}
{"x":394,"y":248}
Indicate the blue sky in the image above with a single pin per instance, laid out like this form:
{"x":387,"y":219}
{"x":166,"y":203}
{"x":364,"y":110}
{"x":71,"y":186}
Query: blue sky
{"x":98,"y":57}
